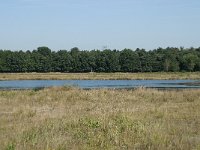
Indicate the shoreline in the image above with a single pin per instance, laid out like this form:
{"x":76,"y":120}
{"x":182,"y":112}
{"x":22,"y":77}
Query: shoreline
{"x":101,"y":76}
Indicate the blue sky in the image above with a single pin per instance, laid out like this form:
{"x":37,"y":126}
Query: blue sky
{"x":92,"y":24}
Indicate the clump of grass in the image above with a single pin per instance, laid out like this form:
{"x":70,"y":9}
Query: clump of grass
{"x":10,"y":146}
{"x":38,"y":89}
{"x":69,"y":87}
{"x":72,"y":118}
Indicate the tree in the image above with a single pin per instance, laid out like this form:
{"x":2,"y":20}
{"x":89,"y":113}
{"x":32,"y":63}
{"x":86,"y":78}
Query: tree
{"x":144,"y":60}
{"x":129,"y":61}
{"x":62,"y":61}
{"x":111,"y":60}
{"x":44,"y":60}
{"x":76,"y":64}
{"x":45,"y":51}
{"x":189,"y":61}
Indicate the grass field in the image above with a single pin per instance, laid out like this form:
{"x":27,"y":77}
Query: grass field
{"x":100,"y":76}
{"x":70,"y":118}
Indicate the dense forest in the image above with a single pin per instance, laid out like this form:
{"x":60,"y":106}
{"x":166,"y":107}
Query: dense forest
{"x":127,"y":60}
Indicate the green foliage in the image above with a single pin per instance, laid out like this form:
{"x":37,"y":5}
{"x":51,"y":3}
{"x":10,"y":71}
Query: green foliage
{"x":129,"y":61}
{"x":10,"y":146}
{"x":157,"y":60}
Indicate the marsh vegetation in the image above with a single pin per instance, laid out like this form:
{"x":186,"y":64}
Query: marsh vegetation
{"x":71,"y":118}
{"x":100,"y":76}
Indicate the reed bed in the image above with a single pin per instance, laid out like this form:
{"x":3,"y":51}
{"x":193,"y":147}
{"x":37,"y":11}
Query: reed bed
{"x":100,"y":76}
{"x":71,"y":118}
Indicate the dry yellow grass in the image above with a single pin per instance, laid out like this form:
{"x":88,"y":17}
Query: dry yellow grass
{"x":70,"y":118}
{"x":100,"y":76}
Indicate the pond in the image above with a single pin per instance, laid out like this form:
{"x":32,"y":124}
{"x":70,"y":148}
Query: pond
{"x":90,"y":84}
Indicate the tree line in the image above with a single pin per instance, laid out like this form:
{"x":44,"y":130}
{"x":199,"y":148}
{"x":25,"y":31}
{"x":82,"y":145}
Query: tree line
{"x":44,"y":60}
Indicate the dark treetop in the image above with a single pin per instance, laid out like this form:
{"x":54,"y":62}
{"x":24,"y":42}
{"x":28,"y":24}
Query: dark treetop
{"x":127,"y":60}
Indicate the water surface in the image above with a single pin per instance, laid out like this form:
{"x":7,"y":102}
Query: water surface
{"x":89,"y":84}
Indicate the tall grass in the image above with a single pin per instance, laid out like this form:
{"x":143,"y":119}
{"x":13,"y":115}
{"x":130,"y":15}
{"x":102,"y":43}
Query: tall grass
{"x":71,"y":118}
{"x":100,"y":76}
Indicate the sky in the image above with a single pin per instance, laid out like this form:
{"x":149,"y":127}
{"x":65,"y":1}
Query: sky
{"x":96,"y":24}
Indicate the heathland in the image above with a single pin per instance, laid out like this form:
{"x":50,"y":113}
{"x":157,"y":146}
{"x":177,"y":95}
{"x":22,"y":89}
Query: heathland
{"x":72,"y":118}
